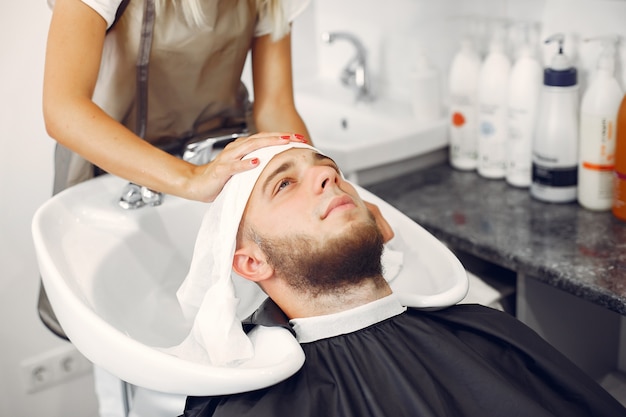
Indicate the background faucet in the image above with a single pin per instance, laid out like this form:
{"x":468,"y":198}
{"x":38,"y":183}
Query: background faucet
{"x":356,"y":73}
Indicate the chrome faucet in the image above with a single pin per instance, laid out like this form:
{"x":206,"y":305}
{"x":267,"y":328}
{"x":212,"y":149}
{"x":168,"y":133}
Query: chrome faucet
{"x":198,"y":152}
{"x":135,"y":196}
{"x":356,"y":73}
{"x":205,"y":150}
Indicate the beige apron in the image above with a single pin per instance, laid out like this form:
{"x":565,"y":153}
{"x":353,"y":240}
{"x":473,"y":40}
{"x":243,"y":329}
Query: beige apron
{"x":194,"y":83}
{"x":194,"y":87}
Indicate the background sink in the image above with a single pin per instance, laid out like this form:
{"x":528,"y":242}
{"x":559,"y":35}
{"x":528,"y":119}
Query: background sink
{"x":111,"y":276}
{"x":359,"y":135}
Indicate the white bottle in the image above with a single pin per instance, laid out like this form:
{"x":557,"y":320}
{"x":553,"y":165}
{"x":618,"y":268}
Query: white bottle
{"x":598,"y":119}
{"x":462,"y":86}
{"x":524,"y":88}
{"x":425,"y":91}
{"x":493,"y":85}
{"x":555,"y":142}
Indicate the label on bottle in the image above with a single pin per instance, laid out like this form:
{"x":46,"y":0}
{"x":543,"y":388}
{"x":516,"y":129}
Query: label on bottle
{"x":463,"y":135}
{"x":518,"y":167}
{"x":597,"y":147}
{"x":554,"y":184}
{"x":603,"y":183}
{"x":491,"y":141}
{"x":555,"y":176}
{"x":597,"y":161}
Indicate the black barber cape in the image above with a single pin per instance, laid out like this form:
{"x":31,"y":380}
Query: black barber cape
{"x":466,"y":360}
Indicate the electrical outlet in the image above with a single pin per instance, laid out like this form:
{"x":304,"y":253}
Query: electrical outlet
{"x":52,"y":368}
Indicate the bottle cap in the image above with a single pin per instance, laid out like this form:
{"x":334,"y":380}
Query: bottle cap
{"x":560,"y":78}
{"x":606,"y":61}
{"x":560,"y":73}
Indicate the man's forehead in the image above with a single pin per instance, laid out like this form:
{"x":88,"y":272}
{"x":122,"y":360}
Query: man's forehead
{"x":290,"y":154}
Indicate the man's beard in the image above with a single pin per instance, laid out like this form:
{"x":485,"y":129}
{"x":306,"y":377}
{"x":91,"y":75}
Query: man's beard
{"x":338,"y":264}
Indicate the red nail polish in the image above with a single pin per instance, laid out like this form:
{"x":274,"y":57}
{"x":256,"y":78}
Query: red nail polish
{"x":285,"y":137}
{"x":254,"y":161}
{"x":298,"y":136}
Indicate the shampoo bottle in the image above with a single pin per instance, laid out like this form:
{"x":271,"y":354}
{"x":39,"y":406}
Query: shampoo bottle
{"x":619,"y":193}
{"x":493,"y":85}
{"x":555,"y":142}
{"x":524,"y":87}
{"x":462,"y":86}
{"x":598,"y":117}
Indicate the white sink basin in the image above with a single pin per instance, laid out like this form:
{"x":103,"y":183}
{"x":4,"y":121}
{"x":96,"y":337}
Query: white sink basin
{"x":111,"y":276}
{"x":359,"y":136}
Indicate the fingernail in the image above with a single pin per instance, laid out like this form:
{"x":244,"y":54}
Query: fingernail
{"x":254,"y":161}
{"x":298,"y":136}
{"x":285,"y":137}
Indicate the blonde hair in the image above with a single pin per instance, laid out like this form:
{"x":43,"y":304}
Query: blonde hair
{"x":193,"y":14}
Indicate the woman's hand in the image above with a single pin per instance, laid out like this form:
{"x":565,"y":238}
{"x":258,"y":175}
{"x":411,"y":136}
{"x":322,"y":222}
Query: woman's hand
{"x":383,"y":225}
{"x":208,"y":180}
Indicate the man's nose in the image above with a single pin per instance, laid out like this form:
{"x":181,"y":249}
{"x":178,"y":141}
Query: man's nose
{"x":325,"y":177}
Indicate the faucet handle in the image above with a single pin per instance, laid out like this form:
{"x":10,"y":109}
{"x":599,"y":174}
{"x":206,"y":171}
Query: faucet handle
{"x":151,"y":197}
{"x":135,"y":196}
{"x":131,"y":197}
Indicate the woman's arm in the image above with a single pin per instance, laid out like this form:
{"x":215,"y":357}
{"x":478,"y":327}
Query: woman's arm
{"x":274,"y":107}
{"x":73,"y":56}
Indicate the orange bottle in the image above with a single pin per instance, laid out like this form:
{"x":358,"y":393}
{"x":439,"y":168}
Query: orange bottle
{"x":619,"y":194}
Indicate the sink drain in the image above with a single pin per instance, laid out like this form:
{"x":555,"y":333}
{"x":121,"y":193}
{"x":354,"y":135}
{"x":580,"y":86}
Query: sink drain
{"x":344,"y":123}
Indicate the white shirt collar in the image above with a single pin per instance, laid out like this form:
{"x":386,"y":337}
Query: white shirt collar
{"x":310,"y":329}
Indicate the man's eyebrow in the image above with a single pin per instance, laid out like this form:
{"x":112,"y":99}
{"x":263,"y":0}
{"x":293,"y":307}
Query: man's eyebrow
{"x":321,"y":157}
{"x":317,"y":157}
{"x":284,"y":167}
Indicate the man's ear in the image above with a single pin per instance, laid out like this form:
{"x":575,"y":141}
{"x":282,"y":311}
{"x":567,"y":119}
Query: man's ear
{"x":250,"y":262}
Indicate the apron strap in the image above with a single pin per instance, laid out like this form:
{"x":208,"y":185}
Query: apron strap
{"x":143,"y":59}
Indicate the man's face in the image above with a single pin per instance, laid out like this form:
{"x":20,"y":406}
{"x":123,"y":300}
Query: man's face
{"x":302,"y":192}
{"x":311,"y":223}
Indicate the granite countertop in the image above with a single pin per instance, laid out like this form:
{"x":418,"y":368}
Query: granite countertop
{"x":563,"y":245}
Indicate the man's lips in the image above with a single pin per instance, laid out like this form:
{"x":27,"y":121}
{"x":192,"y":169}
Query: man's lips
{"x":343,"y":201}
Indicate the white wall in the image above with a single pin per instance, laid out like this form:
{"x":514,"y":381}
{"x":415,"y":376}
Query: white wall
{"x":392,"y":33}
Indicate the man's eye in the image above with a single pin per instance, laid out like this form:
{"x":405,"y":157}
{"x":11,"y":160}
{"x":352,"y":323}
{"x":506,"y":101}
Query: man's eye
{"x":283,"y":183}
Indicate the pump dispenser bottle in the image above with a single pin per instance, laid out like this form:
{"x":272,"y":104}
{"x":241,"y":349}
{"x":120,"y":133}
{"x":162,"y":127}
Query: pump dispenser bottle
{"x":598,"y":117}
{"x":462,"y":86}
{"x":555,"y":142}
{"x":524,"y":88}
{"x":493,"y":85}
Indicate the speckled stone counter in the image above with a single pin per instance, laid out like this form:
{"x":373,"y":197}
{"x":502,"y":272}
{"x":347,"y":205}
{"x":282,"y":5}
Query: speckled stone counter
{"x":563,"y":245}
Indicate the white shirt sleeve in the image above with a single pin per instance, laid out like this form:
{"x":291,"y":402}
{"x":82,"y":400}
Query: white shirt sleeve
{"x":291,"y":9}
{"x":105,"y":8}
